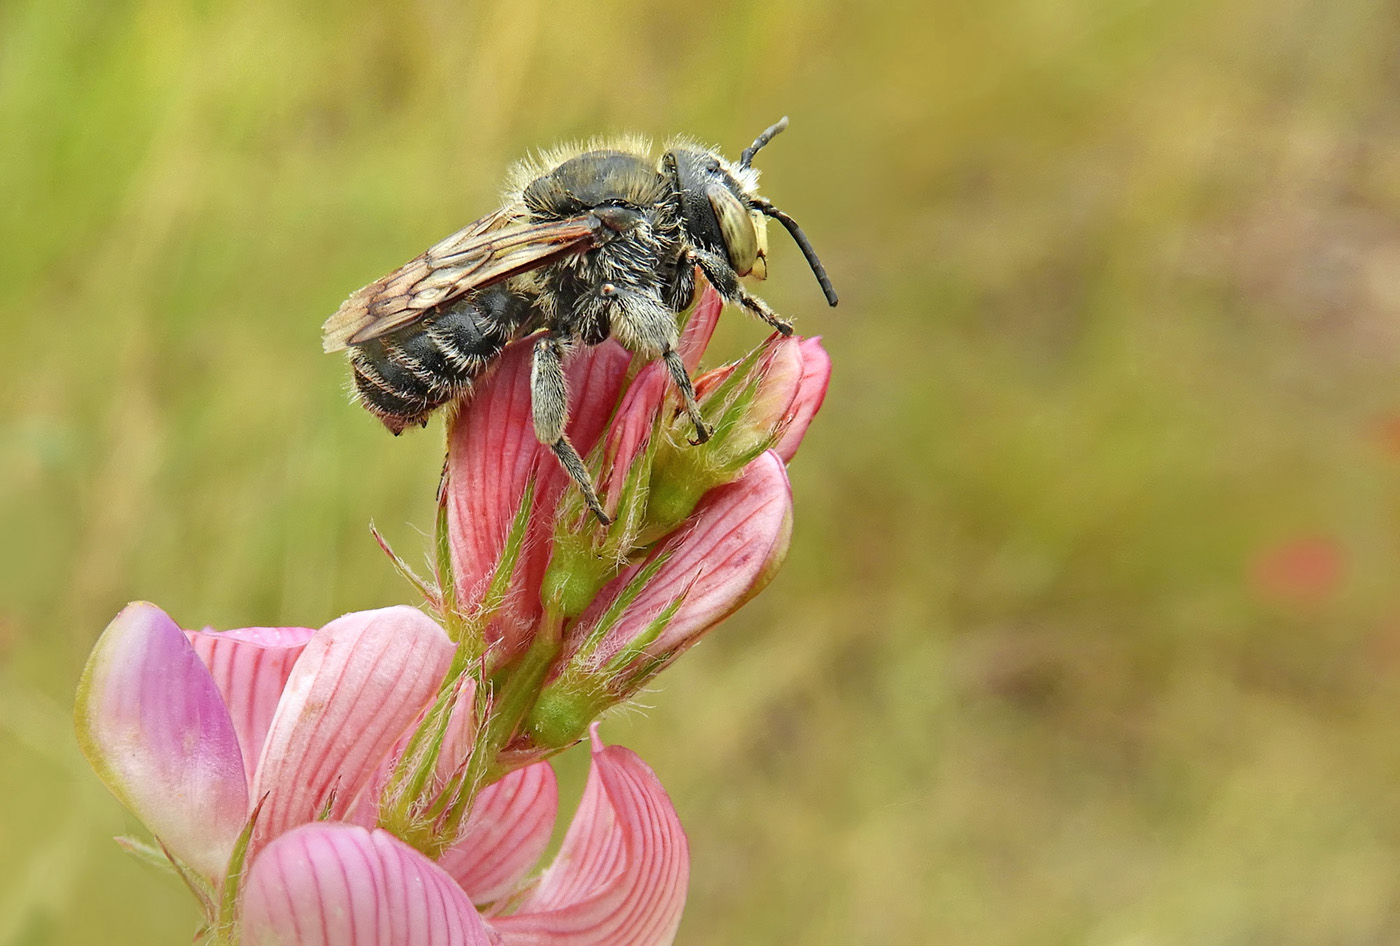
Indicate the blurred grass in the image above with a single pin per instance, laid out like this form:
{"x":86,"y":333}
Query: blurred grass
{"x":1090,"y":632}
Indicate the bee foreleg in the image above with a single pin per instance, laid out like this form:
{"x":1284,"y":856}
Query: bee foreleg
{"x":549,"y":403}
{"x":760,"y":308}
{"x":722,"y":276}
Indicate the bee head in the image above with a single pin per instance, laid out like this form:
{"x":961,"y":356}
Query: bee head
{"x":724,"y":214}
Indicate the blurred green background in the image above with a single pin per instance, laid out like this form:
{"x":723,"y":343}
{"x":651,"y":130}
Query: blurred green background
{"x":1090,"y":631}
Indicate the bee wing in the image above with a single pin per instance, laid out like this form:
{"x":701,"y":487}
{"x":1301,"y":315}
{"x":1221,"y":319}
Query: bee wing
{"x":485,"y":252}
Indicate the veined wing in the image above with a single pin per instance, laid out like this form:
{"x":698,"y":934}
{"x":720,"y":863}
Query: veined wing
{"x":484,"y":252}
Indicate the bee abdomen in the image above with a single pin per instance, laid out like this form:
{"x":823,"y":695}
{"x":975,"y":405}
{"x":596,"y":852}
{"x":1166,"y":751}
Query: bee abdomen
{"x":404,"y":376}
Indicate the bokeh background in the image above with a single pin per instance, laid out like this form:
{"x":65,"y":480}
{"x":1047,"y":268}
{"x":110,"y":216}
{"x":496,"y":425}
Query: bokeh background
{"x":1090,"y":631}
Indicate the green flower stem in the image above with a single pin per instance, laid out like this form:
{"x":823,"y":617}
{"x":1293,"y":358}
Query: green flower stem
{"x":512,"y":697}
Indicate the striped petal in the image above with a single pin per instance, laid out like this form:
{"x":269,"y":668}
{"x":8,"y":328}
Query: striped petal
{"x":628,"y":437}
{"x":730,"y":551}
{"x":329,"y":884}
{"x":508,"y":830}
{"x":362,"y":680}
{"x":700,"y":327}
{"x":811,"y":391}
{"x":620,"y":877}
{"x":492,"y":454}
{"x":250,"y":667}
{"x":153,"y":726}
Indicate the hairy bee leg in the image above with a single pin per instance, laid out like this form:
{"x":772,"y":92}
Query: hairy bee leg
{"x":549,"y":403}
{"x":760,"y":308}
{"x":722,"y":276}
{"x":683,"y":384}
{"x":641,"y":324}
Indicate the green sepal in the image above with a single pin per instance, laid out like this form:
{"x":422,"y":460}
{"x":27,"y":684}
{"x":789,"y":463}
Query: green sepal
{"x":580,"y":658}
{"x":575,"y":575}
{"x":682,"y":473}
{"x":637,"y":646}
{"x":425,"y":587}
{"x":148,"y":854}
{"x":448,"y":610}
{"x":226,"y":930}
{"x":560,"y":717}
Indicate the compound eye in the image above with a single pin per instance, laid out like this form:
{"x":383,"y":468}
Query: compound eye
{"x":736,"y":226}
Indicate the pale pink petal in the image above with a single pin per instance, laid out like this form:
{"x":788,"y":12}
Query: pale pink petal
{"x":700,"y":327}
{"x":362,"y":680}
{"x":152,"y":724}
{"x":462,"y":728}
{"x":727,"y":554}
{"x":816,"y":375}
{"x":620,"y":878}
{"x":780,"y":376}
{"x":250,"y":666}
{"x":492,"y":453}
{"x":508,"y":830}
{"x":329,"y":884}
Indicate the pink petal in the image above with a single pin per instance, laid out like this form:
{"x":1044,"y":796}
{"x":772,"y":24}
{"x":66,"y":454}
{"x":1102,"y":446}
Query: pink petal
{"x":811,"y":391}
{"x":456,"y":745}
{"x":492,"y":452}
{"x":250,"y":666}
{"x":780,"y":377}
{"x":462,"y":727}
{"x":361,"y":681}
{"x":329,"y":884}
{"x":707,"y":382}
{"x":631,"y":431}
{"x":152,"y":724}
{"x":728,"y":554}
{"x":620,"y":878}
{"x":509,"y":828}
{"x":700,"y":327}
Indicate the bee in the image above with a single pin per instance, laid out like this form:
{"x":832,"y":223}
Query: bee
{"x":594,"y":243}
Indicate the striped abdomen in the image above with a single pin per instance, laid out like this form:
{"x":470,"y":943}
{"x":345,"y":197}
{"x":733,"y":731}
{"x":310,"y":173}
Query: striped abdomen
{"x":404,"y":376}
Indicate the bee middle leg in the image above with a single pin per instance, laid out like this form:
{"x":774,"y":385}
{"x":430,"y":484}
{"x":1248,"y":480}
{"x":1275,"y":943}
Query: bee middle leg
{"x":681,"y":378}
{"x":549,"y":403}
{"x":645,"y":326}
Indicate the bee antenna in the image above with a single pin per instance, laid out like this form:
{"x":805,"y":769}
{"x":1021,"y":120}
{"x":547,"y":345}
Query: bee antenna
{"x":803,"y":243}
{"x":773,"y":131}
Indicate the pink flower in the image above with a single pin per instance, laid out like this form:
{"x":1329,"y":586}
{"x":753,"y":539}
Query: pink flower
{"x":383,"y":780}
{"x":697,"y":531}
{"x":169,"y":718}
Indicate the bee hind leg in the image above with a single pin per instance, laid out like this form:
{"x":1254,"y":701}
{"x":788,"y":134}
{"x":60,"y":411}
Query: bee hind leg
{"x":549,"y":402}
